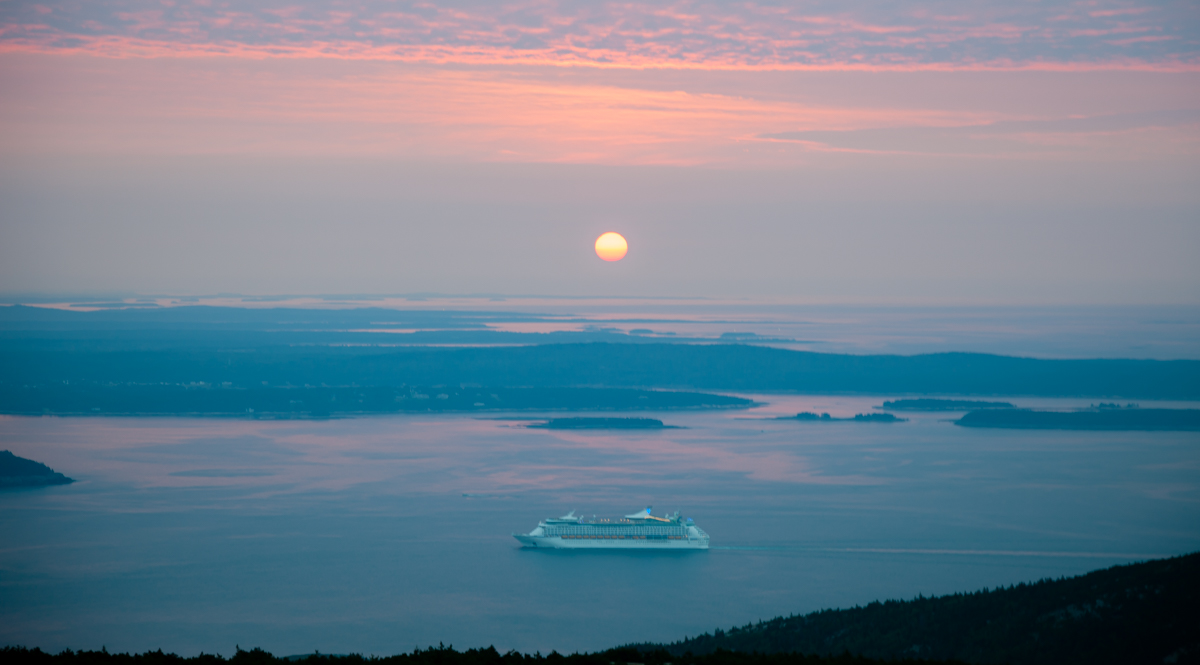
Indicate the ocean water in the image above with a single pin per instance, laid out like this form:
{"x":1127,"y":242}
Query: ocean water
{"x":376,"y":535}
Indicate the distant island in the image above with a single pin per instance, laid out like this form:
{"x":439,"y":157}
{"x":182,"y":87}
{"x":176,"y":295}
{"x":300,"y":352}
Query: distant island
{"x":859,"y":418}
{"x":1127,"y":419}
{"x":20,"y":472}
{"x":601,"y":423}
{"x":931,"y":404}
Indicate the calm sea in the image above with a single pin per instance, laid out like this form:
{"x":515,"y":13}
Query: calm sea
{"x":375,"y":535}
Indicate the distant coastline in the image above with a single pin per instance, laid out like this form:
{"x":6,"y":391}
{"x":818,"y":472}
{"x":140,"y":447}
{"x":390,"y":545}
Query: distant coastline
{"x":249,"y":349}
{"x":1128,"y":420}
{"x":932,"y":404}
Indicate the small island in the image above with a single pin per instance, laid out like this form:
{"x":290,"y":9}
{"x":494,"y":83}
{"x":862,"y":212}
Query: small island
{"x":601,"y":423}
{"x":929,"y":404}
{"x":20,"y":472}
{"x":1101,"y":418}
{"x":858,"y":418}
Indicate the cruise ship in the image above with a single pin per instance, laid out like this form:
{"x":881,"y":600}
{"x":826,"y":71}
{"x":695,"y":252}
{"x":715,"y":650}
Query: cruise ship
{"x":639,"y":531}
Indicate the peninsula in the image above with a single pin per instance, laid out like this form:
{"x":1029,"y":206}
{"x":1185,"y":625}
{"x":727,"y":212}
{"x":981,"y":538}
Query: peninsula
{"x":20,"y":472}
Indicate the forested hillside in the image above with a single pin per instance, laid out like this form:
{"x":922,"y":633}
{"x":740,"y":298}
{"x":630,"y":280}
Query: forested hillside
{"x":1141,"y":613}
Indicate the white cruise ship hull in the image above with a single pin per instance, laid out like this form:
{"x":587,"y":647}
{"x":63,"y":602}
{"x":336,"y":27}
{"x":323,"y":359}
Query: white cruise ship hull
{"x":616,"y":543}
{"x":639,"y":531}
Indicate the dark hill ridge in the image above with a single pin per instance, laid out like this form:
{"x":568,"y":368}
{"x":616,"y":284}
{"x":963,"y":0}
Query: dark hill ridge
{"x":1140,"y":613}
{"x":20,"y":472}
{"x":252,"y":362}
{"x":441,"y":655}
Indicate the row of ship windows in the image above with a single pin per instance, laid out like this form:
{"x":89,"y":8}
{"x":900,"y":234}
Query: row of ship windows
{"x":661,"y":532}
{"x":624,"y":537}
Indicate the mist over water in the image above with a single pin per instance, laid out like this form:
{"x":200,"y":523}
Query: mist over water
{"x":1160,"y":332}
{"x":1163,"y":332}
{"x":356,"y":535}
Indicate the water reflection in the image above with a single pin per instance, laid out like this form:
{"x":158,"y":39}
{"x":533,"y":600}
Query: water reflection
{"x":379,"y":534}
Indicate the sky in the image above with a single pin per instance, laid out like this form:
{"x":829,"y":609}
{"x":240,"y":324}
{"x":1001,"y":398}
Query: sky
{"x":918,"y":152}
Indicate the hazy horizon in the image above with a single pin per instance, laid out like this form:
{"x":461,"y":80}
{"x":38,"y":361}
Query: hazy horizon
{"x":931,"y":152}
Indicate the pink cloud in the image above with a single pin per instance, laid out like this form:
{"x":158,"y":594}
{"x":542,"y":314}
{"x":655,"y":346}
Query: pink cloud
{"x":34,"y":39}
{"x":213,"y":105}
{"x":1138,"y":40}
{"x":631,"y":35}
{"x":1125,"y":11}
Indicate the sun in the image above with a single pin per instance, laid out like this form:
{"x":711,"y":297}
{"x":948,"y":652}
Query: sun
{"x":611,"y":246}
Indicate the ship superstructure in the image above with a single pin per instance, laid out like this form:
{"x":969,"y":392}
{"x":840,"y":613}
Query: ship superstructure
{"x":639,"y":531}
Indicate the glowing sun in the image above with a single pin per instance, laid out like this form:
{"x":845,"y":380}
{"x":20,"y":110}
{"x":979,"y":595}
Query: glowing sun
{"x":611,"y":246}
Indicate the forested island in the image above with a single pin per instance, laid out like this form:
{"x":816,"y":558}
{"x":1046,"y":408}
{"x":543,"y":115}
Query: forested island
{"x":932,"y":404}
{"x":1129,"y":419}
{"x":858,"y":418}
{"x":601,"y":423}
{"x":1140,"y":613}
{"x":20,"y":472}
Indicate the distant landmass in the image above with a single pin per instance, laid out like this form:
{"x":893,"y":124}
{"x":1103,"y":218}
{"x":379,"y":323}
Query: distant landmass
{"x":252,"y":349}
{"x":930,"y":404}
{"x":600,"y":423}
{"x":20,"y":472}
{"x":249,"y":362}
{"x":859,"y":418}
{"x":91,"y":399}
{"x":1142,"y":420}
{"x":1140,"y":613}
